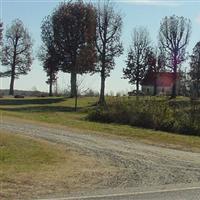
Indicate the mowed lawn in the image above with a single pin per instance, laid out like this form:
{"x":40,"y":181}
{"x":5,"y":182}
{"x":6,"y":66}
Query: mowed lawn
{"x":60,"y":111}
{"x":31,"y":168}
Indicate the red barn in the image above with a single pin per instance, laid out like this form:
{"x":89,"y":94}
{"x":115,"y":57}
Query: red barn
{"x":160,"y":83}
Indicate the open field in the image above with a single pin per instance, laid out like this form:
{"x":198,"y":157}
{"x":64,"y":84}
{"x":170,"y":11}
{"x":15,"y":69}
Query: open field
{"x":76,"y":163}
{"x":31,"y":168}
{"x":60,"y":111}
{"x":56,"y":152}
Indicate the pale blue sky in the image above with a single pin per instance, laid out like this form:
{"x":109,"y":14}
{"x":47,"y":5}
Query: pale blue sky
{"x":146,"y":13}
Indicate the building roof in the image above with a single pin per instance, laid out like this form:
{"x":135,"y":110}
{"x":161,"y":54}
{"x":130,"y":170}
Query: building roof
{"x":163,"y":79}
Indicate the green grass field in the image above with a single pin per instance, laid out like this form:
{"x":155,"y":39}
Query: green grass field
{"x":60,"y":111}
{"x":17,"y":150}
{"x":21,"y":157}
{"x":30,"y":168}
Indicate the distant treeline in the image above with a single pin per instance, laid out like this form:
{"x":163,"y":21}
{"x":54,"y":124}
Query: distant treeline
{"x":24,"y":93}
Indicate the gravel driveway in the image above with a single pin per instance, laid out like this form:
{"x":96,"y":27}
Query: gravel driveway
{"x":139,"y":164}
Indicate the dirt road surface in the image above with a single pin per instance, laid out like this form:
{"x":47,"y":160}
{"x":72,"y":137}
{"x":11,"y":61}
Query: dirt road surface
{"x":139,"y":165}
{"x":174,"y":194}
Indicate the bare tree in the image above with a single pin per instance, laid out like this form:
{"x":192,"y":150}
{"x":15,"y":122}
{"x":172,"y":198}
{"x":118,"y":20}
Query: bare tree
{"x":48,"y":54}
{"x":137,"y":61}
{"x":174,"y":37}
{"x":109,"y":24}
{"x":195,"y":70}
{"x":17,"y":52}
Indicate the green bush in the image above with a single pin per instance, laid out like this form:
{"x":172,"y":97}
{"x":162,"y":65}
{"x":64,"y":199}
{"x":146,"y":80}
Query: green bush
{"x":172,"y":116}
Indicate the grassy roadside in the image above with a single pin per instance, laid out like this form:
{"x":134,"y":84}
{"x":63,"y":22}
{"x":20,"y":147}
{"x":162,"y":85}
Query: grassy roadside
{"x":60,"y":111}
{"x":31,"y":168}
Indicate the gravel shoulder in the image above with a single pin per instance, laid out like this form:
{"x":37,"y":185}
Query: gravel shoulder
{"x":137,"y":164}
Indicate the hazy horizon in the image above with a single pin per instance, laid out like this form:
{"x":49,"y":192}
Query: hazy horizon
{"x":146,"y":13}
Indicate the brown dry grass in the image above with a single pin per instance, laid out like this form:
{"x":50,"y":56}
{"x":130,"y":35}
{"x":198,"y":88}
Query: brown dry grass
{"x":45,"y":169}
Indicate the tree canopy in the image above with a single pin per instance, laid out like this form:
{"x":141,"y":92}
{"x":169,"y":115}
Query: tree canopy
{"x":17,"y":52}
{"x":174,"y":37}
{"x":108,"y":43}
{"x":137,"y":60}
{"x":195,"y":70}
{"x":48,"y":54}
{"x":74,"y":25}
{"x":1,"y":32}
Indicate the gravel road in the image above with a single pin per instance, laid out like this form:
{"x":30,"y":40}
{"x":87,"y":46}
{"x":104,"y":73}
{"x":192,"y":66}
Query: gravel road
{"x":175,"y":194}
{"x":140,"y":165}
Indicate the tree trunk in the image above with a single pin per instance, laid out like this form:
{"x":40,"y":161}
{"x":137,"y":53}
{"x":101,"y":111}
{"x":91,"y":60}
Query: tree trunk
{"x":155,"y":89}
{"x":50,"y":85}
{"x":74,"y":89}
{"x":102,"y":91}
{"x":174,"y":87}
{"x":103,"y":77}
{"x":73,"y":84}
{"x":198,"y":88}
{"x":173,"y":95}
{"x":11,"y":92}
{"x":155,"y":86}
{"x":137,"y":87}
{"x":76,"y":100}
{"x":50,"y":89}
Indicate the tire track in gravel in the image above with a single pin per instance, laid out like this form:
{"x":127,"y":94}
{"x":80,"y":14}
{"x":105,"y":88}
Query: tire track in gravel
{"x":139,"y":164}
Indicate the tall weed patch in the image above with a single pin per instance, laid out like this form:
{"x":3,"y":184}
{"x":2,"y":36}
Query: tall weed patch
{"x":180,"y":117}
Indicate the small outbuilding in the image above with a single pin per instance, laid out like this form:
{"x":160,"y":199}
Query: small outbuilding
{"x":159,"y":83}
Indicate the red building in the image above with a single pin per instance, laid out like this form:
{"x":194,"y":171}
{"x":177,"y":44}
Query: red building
{"x":158,"y":83}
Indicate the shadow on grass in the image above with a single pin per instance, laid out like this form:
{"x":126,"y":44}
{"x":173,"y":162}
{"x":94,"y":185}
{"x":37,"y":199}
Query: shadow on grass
{"x":38,"y":109}
{"x":13,"y":102}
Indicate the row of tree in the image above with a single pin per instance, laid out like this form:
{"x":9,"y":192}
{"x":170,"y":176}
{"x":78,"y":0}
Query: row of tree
{"x":77,"y":38}
{"x":80,"y":38}
{"x":169,"y":55}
